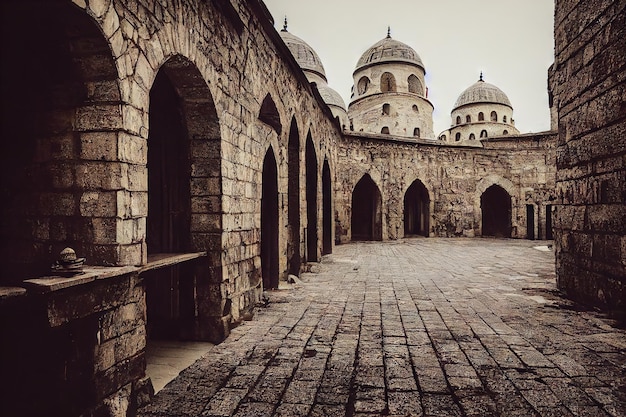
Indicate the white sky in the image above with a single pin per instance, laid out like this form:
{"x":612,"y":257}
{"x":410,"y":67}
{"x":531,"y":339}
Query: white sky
{"x":511,"y":41}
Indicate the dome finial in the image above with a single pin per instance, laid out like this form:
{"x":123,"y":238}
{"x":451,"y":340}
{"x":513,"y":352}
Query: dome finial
{"x":481,"y":77}
{"x":389,"y":31}
{"x":285,"y":25}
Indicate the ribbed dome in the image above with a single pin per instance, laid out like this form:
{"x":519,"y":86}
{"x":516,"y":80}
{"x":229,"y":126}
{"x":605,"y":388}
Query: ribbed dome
{"x":482,"y":92}
{"x":304,"y":54}
{"x":330,"y":96}
{"x":389,"y":50}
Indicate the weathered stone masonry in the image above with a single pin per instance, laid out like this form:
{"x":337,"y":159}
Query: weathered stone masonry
{"x":179,"y":147}
{"x":588,"y":87}
{"x":455,"y":178}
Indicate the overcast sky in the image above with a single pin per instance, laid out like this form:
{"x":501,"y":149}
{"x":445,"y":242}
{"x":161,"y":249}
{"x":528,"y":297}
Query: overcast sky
{"x":511,"y":41}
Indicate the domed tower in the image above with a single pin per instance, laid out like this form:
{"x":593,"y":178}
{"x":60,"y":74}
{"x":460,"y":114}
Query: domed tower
{"x":481,"y":111}
{"x":389,"y":93}
{"x":312,"y":67}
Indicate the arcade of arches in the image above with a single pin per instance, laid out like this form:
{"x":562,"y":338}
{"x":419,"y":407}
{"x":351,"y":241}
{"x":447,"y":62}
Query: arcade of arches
{"x":189,"y":197}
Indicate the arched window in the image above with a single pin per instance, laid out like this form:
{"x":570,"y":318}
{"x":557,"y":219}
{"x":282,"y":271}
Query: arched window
{"x":504,"y":119}
{"x":506,"y":132}
{"x":458,"y":120}
{"x":468,"y":119}
{"x":387,"y":83}
{"x":363,"y":85}
{"x":481,"y":116}
{"x":385,"y":130}
{"x":386,"y":108}
{"x":472,"y":136}
{"x":415,"y":86}
{"x":494,"y":116}
{"x":416,"y":132}
{"x":415,"y":108}
{"x":443,"y":137}
{"x":457,"y":137}
{"x":483,"y":133}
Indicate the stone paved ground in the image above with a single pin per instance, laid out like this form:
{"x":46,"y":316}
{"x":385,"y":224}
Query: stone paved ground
{"x":418,"y":327}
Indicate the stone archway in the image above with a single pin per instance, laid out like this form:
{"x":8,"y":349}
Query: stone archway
{"x":294,"y":257}
{"x":311,"y":200}
{"x":366,"y":220}
{"x":495,"y":204}
{"x":61,"y":116}
{"x":327,"y":211}
{"x":183,"y":152}
{"x":416,"y":210}
{"x":269,"y":222}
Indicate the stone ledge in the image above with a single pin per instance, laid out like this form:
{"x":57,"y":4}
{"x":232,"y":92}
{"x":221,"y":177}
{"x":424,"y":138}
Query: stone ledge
{"x":91,"y":273}
{"x":9,"y":292}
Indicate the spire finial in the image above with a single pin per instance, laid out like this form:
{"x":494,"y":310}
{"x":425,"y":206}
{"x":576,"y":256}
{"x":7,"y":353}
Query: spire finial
{"x":481,"y":76}
{"x":389,"y":31}
{"x":285,"y":25}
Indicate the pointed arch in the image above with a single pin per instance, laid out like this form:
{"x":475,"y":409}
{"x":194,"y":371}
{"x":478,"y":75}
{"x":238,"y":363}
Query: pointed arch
{"x":495,"y":204}
{"x":366,"y":220}
{"x":269,"y":114}
{"x":294,"y":257}
{"x":327,"y":210}
{"x":388,"y":83}
{"x":311,"y":200}
{"x":60,"y":112}
{"x":269,"y":221}
{"x":183,"y":126}
{"x":415,"y":85}
{"x":417,"y":210}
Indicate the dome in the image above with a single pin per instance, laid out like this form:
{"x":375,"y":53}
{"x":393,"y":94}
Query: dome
{"x":482,"y":92}
{"x":389,"y":50}
{"x":304,"y":54}
{"x":330,"y":96}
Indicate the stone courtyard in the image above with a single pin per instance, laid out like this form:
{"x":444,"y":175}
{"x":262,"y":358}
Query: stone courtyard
{"x":416,"y":327}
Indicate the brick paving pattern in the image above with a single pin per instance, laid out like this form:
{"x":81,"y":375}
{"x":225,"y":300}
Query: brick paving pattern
{"x":417,"y":327}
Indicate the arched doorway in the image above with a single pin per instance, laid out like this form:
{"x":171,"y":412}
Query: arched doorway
{"x":327,"y":213}
{"x":416,"y":210}
{"x":183,"y":121}
{"x":59,"y":113}
{"x":294,"y":257}
{"x":269,"y":221}
{"x":311,"y":200}
{"x":366,"y":222}
{"x":495,"y":205}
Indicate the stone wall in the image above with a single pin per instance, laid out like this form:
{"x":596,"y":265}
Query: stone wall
{"x":455,"y":178}
{"x":589,"y":91}
{"x":79,"y":175}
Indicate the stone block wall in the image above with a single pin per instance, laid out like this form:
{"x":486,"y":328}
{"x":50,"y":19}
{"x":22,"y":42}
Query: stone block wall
{"x":589,"y":92}
{"x":76,"y":346}
{"x":455,"y":178}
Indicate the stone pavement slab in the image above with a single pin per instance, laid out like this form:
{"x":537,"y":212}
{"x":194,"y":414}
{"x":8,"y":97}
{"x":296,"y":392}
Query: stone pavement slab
{"x":416,"y":327}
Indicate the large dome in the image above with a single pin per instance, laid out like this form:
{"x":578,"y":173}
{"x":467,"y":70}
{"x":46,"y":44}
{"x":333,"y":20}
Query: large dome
{"x":330,"y":96}
{"x":389,"y":50}
{"x":482,"y":92}
{"x":304,"y":54}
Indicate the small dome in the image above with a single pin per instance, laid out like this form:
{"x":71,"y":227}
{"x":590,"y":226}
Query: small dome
{"x":330,"y":96}
{"x":389,"y":50}
{"x":306,"y":57}
{"x":482,"y":92}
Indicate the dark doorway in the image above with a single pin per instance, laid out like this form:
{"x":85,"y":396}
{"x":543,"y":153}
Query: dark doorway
{"x":293,"y":244}
{"x":169,"y":290}
{"x":327,"y":217}
{"x":311,"y":200}
{"x":549,"y":235}
{"x":416,"y":210}
{"x":495,"y":204}
{"x":269,"y":222}
{"x":530,"y":221}
{"x":366,"y":223}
